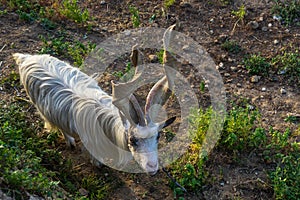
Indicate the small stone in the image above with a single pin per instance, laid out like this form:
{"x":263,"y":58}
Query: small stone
{"x":283,"y":91}
{"x":222,"y":183}
{"x":270,"y":25}
{"x":254,"y":79}
{"x":83,"y":192}
{"x":226,"y":74}
{"x":127,"y":32}
{"x":185,"y":4}
{"x":153,"y":58}
{"x":211,"y":31}
{"x":264,"y":28}
{"x":253,"y":24}
{"x":102,"y":2}
{"x":261,"y":18}
{"x":277,"y":17}
{"x":233,"y":68}
{"x":212,"y":20}
{"x":263,"y":89}
{"x":276,"y":41}
{"x":221,"y":65}
{"x":239,"y":85}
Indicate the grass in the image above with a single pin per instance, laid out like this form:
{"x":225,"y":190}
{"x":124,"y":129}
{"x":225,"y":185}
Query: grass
{"x":31,"y":164}
{"x":257,"y":64}
{"x":288,"y":64}
{"x":66,"y":48}
{"x":241,"y":133}
{"x":135,"y":16}
{"x":231,"y":46}
{"x":46,"y":13}
{"x":288,"y":10}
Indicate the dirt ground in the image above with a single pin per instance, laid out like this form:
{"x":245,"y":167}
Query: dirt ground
{"x":208,"y":23}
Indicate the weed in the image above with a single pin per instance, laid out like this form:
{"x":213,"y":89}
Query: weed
{"x":135,"y":17}
{"x":288,"y":63}
{"x":59,"y":46}
{"x":288,"y":10}
{"x":256,"y":64}
{"x":120,"y":74}
{"x":226,"y":2}
{"x":71,"y":10}
{"x":240,"y":14}
{"x":168,"y":3}
{"x":160,"y":56}
{"x":231,"y":46}
{"x":239,"y":124}
{"x":279,"y":140}
{"x":202,"y":86}
{"x":3,"y":12}
{"x":285,"y":178}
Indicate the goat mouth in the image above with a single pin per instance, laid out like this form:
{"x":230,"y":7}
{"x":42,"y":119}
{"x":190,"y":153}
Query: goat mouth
{"x":152,"y":173}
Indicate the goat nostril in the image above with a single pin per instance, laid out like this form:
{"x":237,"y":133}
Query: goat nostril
{"x":152,"y":165}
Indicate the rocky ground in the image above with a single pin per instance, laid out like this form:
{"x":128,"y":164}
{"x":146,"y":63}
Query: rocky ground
{"x":210,"y":23}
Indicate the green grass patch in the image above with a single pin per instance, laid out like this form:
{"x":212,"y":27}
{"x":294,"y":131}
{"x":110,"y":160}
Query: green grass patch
{"x":135,"y":16}
{"x":32,"y":164}
{"x":288,"y":10}
{"x":257,"y":64}
{"x":231,"y":46}
{"x":66,"y":48}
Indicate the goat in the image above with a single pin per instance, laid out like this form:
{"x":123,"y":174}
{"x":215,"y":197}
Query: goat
{"x":71,"y":101}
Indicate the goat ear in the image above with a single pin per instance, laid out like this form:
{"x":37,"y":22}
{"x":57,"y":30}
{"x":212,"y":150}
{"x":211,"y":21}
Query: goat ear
{"x":167,"y":123}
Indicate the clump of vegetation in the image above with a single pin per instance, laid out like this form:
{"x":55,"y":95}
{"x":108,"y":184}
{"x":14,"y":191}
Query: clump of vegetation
{"x":288,"y":10}
{"x":135,"y":16}
{"x":30,"y":164}
{"x":60,"y":46}
{"x":288,"y":64}
{"x":231,"y":46}
{"x":168,"y":3}
{"x":44,"y":12}
{"x":71,"y":10}
{"x":120,"y":74}
{"x":257,"y":65}
{"x":240,"y":14}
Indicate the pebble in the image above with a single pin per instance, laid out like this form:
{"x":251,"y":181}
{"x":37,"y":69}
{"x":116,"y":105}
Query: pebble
{"x":253,"y":24}
{"x":276,"y":41}
{"x":264,"y":28}
{"x":233,"y":68}
{"x":102,"y":2}
{"x":269,"y":24}
{"x":127,"y":32}
{"x":222,"y":183}
{"x":239,"y":85}
{"x":254,"y":79}
{"x":185,"y":4}
{"x":283,"y":91}
{"x":263,"y":89}
{"x":226,"y":74}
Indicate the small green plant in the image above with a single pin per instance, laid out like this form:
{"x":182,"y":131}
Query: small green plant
{"x":240,"y":14}
{"x":160,"y":56}
{"x":231,"y":46}
{"x":60,"y":46}
{"x":279,"y":140}
{"x":120,"y":74}
{"x":256,"y":64}
{"x":288,"y":10}
{"x":189,"y":170}
{"x":285,"y":178}
{"x":168,"y":3}
{"x":239,"y":127}
{"x":202,"y":86}
{"x":71,"y":10}
{"x":135,"y":16}
{"x":3,"y":12}
{"x":288,"y":64}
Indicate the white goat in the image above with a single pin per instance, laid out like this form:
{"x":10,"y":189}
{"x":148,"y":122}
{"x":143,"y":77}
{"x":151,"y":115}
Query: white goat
{"x":73,"y":102}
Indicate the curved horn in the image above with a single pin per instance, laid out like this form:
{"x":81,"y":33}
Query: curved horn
{"x":123,"y":97}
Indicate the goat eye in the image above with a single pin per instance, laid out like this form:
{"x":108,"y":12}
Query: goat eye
{"x":158,"y":135}
{"x":133,"y":141}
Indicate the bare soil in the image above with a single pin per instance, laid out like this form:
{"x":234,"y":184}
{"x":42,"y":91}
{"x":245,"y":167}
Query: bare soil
{"x":208,"y":23}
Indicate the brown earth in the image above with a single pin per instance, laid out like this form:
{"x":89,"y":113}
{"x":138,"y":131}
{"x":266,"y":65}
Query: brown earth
{"x":208,"y":23}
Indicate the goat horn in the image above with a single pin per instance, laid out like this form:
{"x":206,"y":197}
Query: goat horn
{"x":123,"y":97}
